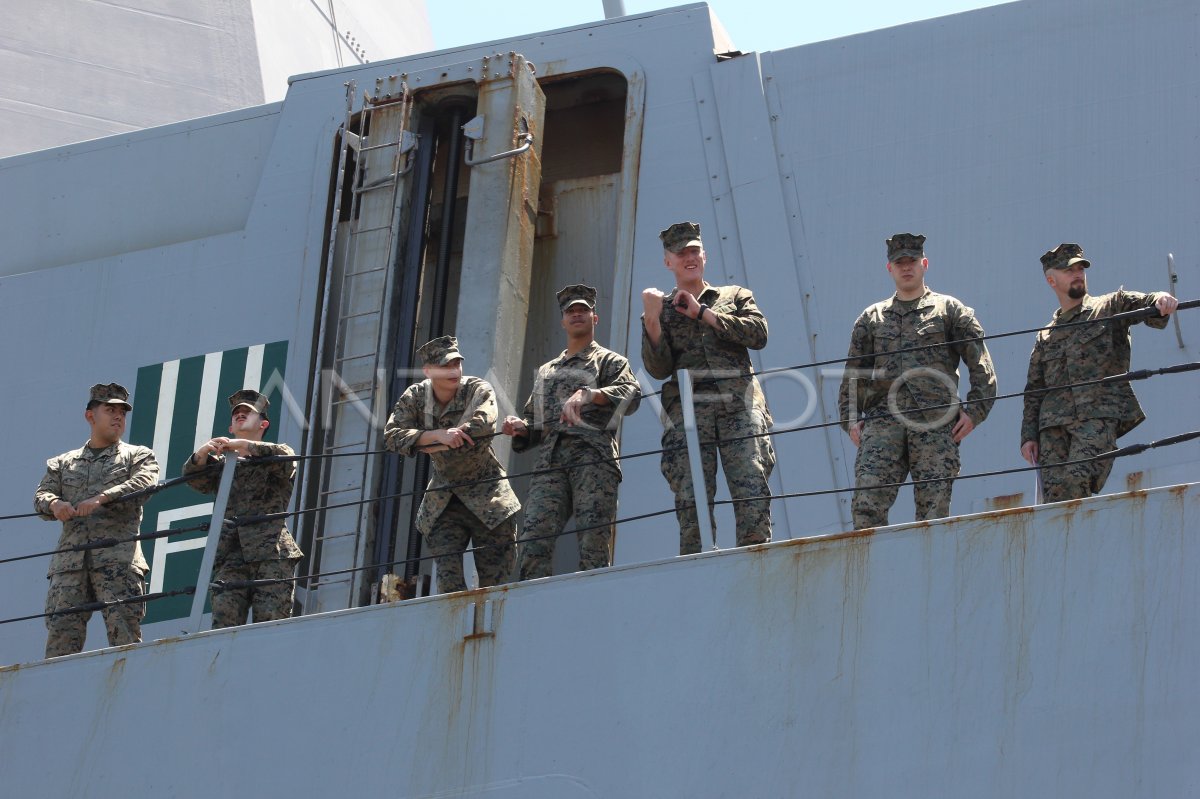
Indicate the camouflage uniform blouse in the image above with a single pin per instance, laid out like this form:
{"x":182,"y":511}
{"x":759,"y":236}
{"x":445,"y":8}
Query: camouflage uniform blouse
{"x":888,"y":326}
{"x":710,"y":353}
{"x":592,"y":367}
{"x":81,"y":474}
{"x":474,"y":404}
{"x":1085,"y":352}
{"x":258,"y":489}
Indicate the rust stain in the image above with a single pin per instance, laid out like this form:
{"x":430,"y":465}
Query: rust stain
{"x":1133,"y":480}
{"x":115,"y":673}
{"x":1005,"y":501}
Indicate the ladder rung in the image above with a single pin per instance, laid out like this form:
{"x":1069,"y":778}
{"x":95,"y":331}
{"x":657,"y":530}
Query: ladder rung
{"x":332,"y":491}
{"x":335,"y":535}
{"x":374,"y":186}
{"x":359,"y":315}
{"x":359,"y":357}
{"x":364,"y":272}
{"x":357,"y":389}
{"x":314,"y":585}
{"x":371,"y":147}
{"x":343,"y":446}
{"x":370,"y":229}
{"x":360,"y":396}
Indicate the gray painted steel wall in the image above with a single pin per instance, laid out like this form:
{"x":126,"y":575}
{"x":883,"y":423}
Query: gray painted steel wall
{"x":994,"y":132}
{"x":1032,"y":652}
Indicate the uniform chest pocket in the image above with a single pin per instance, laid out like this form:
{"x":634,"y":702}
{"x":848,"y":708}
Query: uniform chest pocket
{"x":724,"y":306}
{"x":568,"y":379}
{"x":887,"y":337}
{"x":1054,"y":363}
{"x":75,"y":477}
{"x":931,"y":331}
{"x":1094,"y":340}
{"x":114,"y":474}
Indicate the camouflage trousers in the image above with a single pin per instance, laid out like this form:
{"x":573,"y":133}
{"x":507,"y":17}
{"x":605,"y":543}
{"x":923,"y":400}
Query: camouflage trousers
{"x":587,"y":492}
{"x":747,"y":463}
{"x":455,"y":530}
{"x":1083,"y":439}
{"x":887,"y":452}
{"x":231,"y":607}
{"x":66,"y":633}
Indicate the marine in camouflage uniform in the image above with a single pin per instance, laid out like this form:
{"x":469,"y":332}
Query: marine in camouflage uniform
{"x":80,"y":489}
{"x":571,"y":416}
{"x":880,"y":389}
{"x":1076,"y":423}
{"x":442,"y":415}
{"x":709,"y":330}
{"x":259,"y":551}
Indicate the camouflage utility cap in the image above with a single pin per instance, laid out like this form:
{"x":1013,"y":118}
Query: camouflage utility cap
{"x":576,"y":293}
{"x":905,"y":245}
{"x":440,"y":351}
{"x":681,"y":235}
{"x":1064,"y":256}
{"x":248,"y":396}
{"x":110,"y":394}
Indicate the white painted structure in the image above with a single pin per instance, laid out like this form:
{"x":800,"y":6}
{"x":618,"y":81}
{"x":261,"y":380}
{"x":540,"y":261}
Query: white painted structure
{"x":1031,"y":652}
{"x":78,"y":69}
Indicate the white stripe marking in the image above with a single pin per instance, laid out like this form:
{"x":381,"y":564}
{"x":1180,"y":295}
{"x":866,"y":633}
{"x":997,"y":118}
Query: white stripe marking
{"x":254,"y":365}
{"x":165,"y":411}
{"x":207,"y":411}
{"x":165,"y":546}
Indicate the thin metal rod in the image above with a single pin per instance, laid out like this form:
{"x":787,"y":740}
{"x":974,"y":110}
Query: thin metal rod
{"x":210,"y":546}
{"x":692,"y":436}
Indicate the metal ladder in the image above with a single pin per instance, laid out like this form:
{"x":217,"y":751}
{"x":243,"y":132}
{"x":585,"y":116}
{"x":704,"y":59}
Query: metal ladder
{"x":359,"y":288}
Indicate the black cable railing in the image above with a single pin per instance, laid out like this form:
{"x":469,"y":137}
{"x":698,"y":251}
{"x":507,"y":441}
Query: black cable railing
{"x":233,"y":523}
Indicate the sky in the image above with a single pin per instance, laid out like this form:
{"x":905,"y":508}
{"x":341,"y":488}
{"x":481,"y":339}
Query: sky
{"x":753,"y":25}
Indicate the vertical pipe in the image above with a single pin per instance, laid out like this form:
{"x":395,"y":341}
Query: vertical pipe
{"x":403,"y":331}
{"x":454,"y":142}
{"x":614,"y":9}
{"x":437,"y":320}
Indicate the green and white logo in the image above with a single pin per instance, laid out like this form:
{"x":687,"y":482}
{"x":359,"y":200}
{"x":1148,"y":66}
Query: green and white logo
{"x":180,"y":405}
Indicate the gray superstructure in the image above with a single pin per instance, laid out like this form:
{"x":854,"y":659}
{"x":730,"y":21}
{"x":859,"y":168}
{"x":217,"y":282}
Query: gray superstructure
{"x":998,"y":133}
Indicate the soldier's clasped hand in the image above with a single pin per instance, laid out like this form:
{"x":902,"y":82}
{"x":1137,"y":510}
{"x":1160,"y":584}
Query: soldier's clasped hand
{"x":514,"y":426}
{"x":89,"y":506}
{"x":572,"y":412}
{"x":687,"y":304}
{"x":1166,"y":304}
{"x":454,"y":438}
{"x":62,"y":510}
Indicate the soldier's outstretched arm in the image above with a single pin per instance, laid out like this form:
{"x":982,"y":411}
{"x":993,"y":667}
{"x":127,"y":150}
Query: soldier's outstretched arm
{"x":403,"y":430}
{"x":49,"y":491}
{"x":482,"y":411}
{"x":1122,"y":300}
{"x":618,"y":386}
{"x":526,"y":431}
{"x":143,"y":473}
